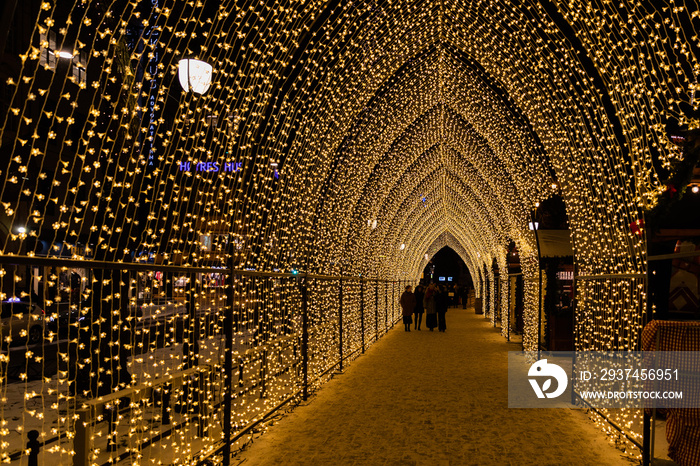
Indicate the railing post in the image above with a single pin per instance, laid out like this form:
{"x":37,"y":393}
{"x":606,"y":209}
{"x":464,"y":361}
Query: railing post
{"x":111,"y":414}
{"x":402,"y":285}
{"x":263,"y":374}
{"x":305,"y":336}
{"x":574,"y":291}
{"x":165,"y":403}
{"x":646,"y":439}
{"x":574,"y":306}
{"x":393,"y":303}
{"x":81,"y":442}
{"x":508,"y":307}
{"x":241,"y":368}
{"x":487,"y":294}
{"x":340,"y":323}
{"x":539,"y":287}
{"x":203,"y":404}
{"x":376,"y":310}
{"x":362,"y":312}
{"x":189,"y":328}
{"x":497,"y":297}
{"x":386,"y":306}
{"x":33,"y":445}
{"x":228,"y":361}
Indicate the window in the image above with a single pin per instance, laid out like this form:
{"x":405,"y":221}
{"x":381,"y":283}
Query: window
{"x":79,"y":66}
{"x":51,"y":54}
{"x":48,"y":46}
{"x":206,"y":242}
{"x":10,"y":309}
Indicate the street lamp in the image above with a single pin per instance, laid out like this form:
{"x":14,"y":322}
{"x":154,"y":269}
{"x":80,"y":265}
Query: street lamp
{"x":195,"y":75}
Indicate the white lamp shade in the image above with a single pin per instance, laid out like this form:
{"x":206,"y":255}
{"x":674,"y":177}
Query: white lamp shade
{"x":195,"y":75}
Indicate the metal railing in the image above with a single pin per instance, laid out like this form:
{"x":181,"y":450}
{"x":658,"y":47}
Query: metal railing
{"x":141,"y":359}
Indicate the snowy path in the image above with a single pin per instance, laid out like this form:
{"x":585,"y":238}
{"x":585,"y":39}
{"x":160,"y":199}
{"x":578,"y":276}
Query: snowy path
{"x":430,"y":398}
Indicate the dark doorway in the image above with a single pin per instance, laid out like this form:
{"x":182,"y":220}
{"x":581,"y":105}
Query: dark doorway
{"x":448,"y":268}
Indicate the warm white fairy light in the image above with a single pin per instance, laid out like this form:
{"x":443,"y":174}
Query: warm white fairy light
{"x":332,"y":134}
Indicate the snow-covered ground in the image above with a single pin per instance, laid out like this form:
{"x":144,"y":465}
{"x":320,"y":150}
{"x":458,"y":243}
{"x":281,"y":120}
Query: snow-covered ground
{"x":430,"y":398}
{"x":43,"y":405}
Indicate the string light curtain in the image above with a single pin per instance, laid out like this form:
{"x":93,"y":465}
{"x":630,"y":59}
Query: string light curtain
{"x":443,"y":122}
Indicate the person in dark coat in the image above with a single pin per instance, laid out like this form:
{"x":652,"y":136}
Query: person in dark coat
{"x":442,"y":302}
{"x":429,"y":306}
{"x":464,"y":291}
{"x":408,"y":304}
{"x":418,"y":311}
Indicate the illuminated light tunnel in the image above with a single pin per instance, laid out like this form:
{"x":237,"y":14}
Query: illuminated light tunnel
{"x":337,"y":139}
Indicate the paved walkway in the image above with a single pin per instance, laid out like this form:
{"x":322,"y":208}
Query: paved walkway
{"x":430,"y":398}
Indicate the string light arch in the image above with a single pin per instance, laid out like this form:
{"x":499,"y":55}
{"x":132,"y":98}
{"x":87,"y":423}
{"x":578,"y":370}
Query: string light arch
{"x":443,"y":122}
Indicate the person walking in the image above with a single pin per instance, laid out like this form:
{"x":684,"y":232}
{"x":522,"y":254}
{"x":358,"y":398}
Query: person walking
{"x":429,"y":306}
{"x":408,"y":304}
{"x":442,"y":302}
{"x":464,"y":290}
{"x":418,"y":311}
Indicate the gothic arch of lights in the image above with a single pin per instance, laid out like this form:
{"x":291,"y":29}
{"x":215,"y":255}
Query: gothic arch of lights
{"x":443,"y":122}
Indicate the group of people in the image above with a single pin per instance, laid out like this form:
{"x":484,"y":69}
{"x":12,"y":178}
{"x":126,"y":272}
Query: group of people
{"x":433,"y":300}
